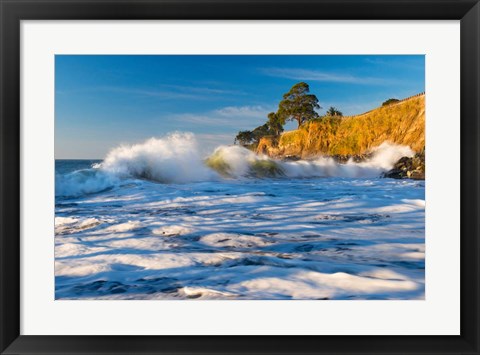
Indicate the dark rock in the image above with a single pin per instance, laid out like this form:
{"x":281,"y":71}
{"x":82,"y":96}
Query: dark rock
{"x":408,"y":168}
{"x":291,"y":158}
{"x":417,"y":175}
{"x":357,"y":158}
{"x":395,"y":174}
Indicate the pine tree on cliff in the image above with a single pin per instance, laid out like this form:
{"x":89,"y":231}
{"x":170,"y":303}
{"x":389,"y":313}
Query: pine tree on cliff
{"x":298,"y":104}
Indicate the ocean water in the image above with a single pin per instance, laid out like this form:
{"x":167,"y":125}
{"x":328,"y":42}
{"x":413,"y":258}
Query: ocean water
{"x":157,"y":221}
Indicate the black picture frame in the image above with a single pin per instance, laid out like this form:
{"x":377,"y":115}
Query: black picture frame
{"x":12,"y":12}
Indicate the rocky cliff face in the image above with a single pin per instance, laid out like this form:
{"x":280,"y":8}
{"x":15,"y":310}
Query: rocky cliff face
{"x":401,"y":123}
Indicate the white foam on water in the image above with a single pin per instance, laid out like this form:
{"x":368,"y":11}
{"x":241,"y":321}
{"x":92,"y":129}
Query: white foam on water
{"x":222,"y":240}
{"x":335,"y":238}
{"x":314,"y":230}
{"x":76,"y":249}
{"x":123,"y":227}
{"x":145,"y":243}
{"x":383,"y":159}
{"x":171,"y":230}
{"x":60,"y":221}
{"x":72,"y":225}
{"x":315,"y":285}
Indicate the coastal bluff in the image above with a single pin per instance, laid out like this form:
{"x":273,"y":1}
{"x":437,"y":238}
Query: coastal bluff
{"x":401,"y":123}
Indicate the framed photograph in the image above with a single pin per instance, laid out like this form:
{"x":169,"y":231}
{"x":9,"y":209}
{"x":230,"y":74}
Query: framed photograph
{"x":239,"y":177}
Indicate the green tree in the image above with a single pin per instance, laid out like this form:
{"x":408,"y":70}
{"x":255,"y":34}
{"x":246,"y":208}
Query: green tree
{"x":275,"y":125}
{"x":332,"y":111}
{"x":261,"y":131}
{"x":390,"y":101}
{"x":244,"y":138}
{"x":298,"y":105}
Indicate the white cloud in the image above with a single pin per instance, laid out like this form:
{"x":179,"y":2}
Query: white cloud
{"x":243,"y":111}
{"x":161,"y":94}
{"x":162,"y":91}
{"x":199,"y":118}
{"x":230,"y":117}
{"x":411,"y":63}
{"x":317,"y":75}
{"x":204,"y":90}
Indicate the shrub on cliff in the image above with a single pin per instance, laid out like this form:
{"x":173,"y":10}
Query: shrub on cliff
{"x":250,"y":139}
{"x":332,"y":111}
{"x":244,"y":138}
{"x":390,"y":101}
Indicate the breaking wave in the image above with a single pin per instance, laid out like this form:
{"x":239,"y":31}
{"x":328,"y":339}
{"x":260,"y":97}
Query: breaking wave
{"x":236,"y":162}
{"x":82,"y":182}
{"x":176,"y":159}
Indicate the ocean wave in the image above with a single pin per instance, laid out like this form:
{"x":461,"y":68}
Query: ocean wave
{"x":84,"y":181}
{"x":176,"y":159}
{"x":236,"y":162}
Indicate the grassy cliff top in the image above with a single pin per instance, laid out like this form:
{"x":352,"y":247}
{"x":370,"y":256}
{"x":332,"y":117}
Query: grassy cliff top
{"x":401,"y":123}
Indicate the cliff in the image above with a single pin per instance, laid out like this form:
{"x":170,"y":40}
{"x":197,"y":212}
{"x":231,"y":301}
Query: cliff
{"x":401,"y":123}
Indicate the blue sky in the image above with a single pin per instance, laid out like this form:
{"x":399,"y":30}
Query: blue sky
{"x":102,"y":101}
